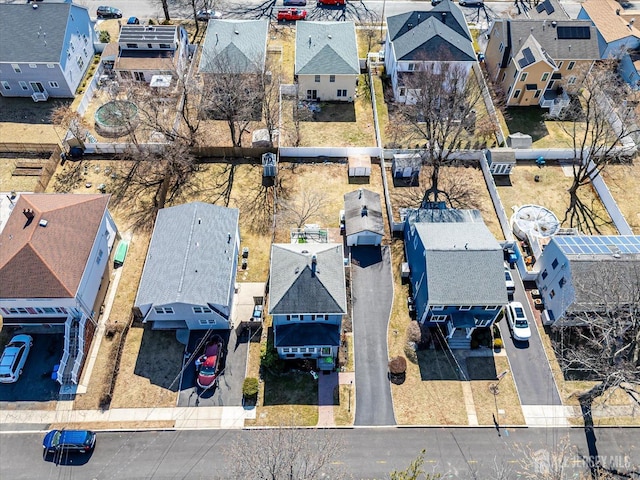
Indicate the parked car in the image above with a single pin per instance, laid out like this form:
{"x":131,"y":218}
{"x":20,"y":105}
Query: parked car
{"x":82,"y":441}
{"x":108,"y":12}
{"x":435,"y":2}
{"x":471,"y":3}
{"x":14,"y":357}
{"x":518,"y":322}
{"x":208,"y":364}
{"x":133,"y":21}
{"x":294,"y":3}
{"x":205,"y":15}
{"x":331,"y":2}
{"x":257,"y":312}
{"x":292,"y":14}
{"x":508,"y":280}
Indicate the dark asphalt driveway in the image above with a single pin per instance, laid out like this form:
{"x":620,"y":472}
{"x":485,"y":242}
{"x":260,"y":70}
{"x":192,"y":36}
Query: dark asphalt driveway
{"x":529,"y":364}
{"x":229,"y":389}
{"x":372,"y":297}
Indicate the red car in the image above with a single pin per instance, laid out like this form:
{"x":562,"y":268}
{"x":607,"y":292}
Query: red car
{"x":332,"y":2}
{"x":292,"y":14}
{"x":208,"y":365}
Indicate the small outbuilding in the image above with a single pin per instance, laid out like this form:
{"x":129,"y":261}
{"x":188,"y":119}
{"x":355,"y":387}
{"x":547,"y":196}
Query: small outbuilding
{"x":501,"y":160}
{"x":359,"y":166}
{"x":519,"y":140}
{"x":406,"y":165}
{"x":363,"y":218}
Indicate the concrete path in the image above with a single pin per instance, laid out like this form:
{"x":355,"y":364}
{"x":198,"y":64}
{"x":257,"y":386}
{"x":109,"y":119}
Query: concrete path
{"x":372,"y":297}
{"x":326,"y":387}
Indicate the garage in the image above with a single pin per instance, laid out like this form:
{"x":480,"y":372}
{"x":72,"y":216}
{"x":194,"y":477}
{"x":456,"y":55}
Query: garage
{"x":363,"y":218}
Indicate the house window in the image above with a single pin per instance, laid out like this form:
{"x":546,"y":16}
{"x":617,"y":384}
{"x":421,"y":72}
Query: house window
{"x":504,"y":75}
{"x":6,"y":85}
{"x":303,"y":349}
{"x":332,"y":78}
{"x":54,"y":84}
{"x":562,"y":282}
{"x":149,"y":46}
{"x":544,"y":274}
{"x":311,"y":349}
{"x":523,"y":77}
{"x":165,"y":45}
{"x":483,"y":322}
{"x":167,"y":310}
{"x":560,"y":65}
{"x":132,"y":45}
{"x":537,"y":94}
{"x":294,"y":349}
{"x":572,"y":80}
{"x":515,"y":74}
{"x":545,"y":77}
{"x":554,"y":264}
{"x":286,"y":349}
{"x":325,"y":351}
{"x":438,"y":318}
{"x":50,"y":65}
{"x":571,"y":65}
{"x":342,"y":93}
{"x":411,"y":67}
{"x":24,"y":85}
{"x":16,"y":68}
{"x":501,"y":47}
{"x":206,"y":321}
{"x":465,"y":308}
{"x":437,"y":308}
{"x":48,"y":310}
{"x":491,"y":307}
{"x":202,"y":310}
{"x":61,"y":310}
{"x":33,"y":65}
{"x":317,"y":79}
{"x":402,"y":91}
{"x":516,"y":94}
{"x":99,"y":257}
{"x":552,"y":293}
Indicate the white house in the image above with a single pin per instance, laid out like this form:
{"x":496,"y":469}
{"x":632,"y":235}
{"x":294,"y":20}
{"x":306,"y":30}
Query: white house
{"x":189,"y":275}
{"x":307,"y":300}
{"x":363,"y":218}
{"x":327,"y":65}
{"x":45,"y":49}
{"x":54,"y":252}
{"x":421,"y":39}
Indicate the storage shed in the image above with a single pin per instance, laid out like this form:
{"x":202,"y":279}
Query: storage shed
{"x":406,"y":165}
{"x":359,"y":166}
{"x":363,"y":218}
{"x":269,"y":165}
{"x":519,"y":140}
{"x":501,"y":160}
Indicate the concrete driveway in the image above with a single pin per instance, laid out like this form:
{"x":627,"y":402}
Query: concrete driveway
{"x":372,"y":297}
{"x":529,"y":364}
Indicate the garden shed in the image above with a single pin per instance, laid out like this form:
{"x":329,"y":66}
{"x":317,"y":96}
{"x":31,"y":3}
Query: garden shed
{"x":501,"y":160}
{"x":406,"y":165}
{"x":359,"y":166}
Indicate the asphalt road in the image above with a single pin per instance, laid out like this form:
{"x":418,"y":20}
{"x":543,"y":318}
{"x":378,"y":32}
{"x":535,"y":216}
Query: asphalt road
{"x":372,"y":297}
{"x":364,"y":453}
{"x":529,"y":364}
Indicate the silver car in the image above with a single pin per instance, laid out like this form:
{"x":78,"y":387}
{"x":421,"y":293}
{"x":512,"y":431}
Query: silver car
{"x":14,"y":357}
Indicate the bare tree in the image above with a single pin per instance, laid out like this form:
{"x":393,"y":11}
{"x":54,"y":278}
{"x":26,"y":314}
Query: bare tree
{"x":415,"y":471}
{"x":355,"y":10}
{"x":65,"y":120}
{"x":600,"y":122}
{"x":441,"y":110}
{"x":284,"y":454}
{"x":270,"y":86}
{"x":299,"y":210}
{"x":165,"y":9}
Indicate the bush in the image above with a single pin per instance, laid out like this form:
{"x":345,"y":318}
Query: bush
{"x":497,"y":343}
{"x":398,"y":365}
{"x":410,"y":352}
{"x":414,"y":333}
{"x":250,"y":387}
{"x":474,"y":344}
{"x":104,"y":36}
{"x":151,"y":21}
{"x":496,"y":332}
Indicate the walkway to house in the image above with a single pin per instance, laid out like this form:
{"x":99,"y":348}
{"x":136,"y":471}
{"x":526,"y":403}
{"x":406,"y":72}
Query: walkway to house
{"x":326,"y":387}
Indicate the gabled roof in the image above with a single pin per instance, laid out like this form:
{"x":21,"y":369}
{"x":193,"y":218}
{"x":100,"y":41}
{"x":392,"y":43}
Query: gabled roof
{"x":242,"y":44}
{"x":148,"y":33}
{"x":29,"y":34}
{"x":439,"y":34}
{"x":544,"y":10}
{"x":191,"y":256}
{"x":363,"y":212}
{"x":326,"y":48}
{"x":464,"y":260}
{"x":532,"y":52}
{"x":583,"y":46}
{"x":298,"y":334}
{"x":612,"y":27}
{"x":297,"y":286}
{"x":49,"y":261}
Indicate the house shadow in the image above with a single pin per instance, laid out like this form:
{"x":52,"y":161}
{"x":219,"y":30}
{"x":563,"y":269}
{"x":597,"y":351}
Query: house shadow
{"x":364,"y":257}
{"x":359,"y":180}
{"x":502,"y":180}
{"x":335,"y":112}
{"x":160,"y":358}
{"x":481,"y":368}
{"x":294,"y":387}
{"x":437,"y":365}
{"x":413,"y":181}
{"x":25,"y":110}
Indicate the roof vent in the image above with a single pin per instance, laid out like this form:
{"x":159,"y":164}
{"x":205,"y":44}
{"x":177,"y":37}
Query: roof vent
{"x":305,"y":251}
{"x":330,"y":37}
{"x":34,"y":6}
{"x":554,"y":24}
{"x":43,"y":223}
{"x":236,"y":32}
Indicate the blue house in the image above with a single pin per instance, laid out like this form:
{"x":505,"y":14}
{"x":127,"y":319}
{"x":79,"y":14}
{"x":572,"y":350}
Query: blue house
{"x":45,"y":49}
{"x":307,"y":300}
{"x":616,"y":31}
{"x":456,"y":271}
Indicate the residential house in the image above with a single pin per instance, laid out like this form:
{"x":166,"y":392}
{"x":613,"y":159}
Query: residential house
{"x":583,"y":274}
{"x":145,"y":51}
{"x":189,"y":275}
{"x":456,"y":271}
{"x":540,"y":62}
{"x":327,"y":65}
{"x":45,"y":49}
{"x":418,"y":39}
{"x":546,"y":10}
{"x":307,"y":300}
{"x":629,"y":68}
{"x":616,"y":34}
{"x":363,"y":218}
{"x":234,"y":46}
{"x":54,"y":253}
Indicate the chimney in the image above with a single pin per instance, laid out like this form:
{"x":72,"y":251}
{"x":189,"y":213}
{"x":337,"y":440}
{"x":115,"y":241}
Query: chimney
{"x":364,"y":211}
{"x":228,"y":238}
{"x":617,"y":11}
{"x":444,"y":17}
{"x":28,"y":212}
{"x":309,"y":40}
{"x":314,"y":264}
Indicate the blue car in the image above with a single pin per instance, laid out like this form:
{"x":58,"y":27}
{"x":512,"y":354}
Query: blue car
{"x":82,"y":441}
{"x":133,"y":21}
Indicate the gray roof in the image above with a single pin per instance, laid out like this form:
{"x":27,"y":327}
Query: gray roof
{"x":241,"y":43}
{"x":30,"y":34}
{"x":359,"y":219}
{"x":190,"y":258}
{"x":464,"y":264}
{"x":293,"y":286}
{"x":404,"y":160}
{"x":546,"y":35}
{"x":502,"y":155}
{"x":546,"y":10}
{"x":439,"y":34}
{"x":297,"y":334}
{"x":443,"y":215}
{"x":326,"y":48}
{"x":145,"y":33}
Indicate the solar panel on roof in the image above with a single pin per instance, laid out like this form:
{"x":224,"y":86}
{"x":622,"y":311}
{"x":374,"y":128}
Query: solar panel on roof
{"x":540,"y":7}
{"x":527,"y":59}
{"x":598,"y":245}
{"x":578,"y":33}
{"x":548,"y":7}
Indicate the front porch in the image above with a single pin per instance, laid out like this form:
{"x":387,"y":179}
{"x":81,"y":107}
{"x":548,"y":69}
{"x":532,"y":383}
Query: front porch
{"x":460,"y":327}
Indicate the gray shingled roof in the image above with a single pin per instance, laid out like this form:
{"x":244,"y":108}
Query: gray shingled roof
{"x":464,"y":264}
{"x":145,"y":33}
{"x":545,"y":10}
{"x":23,"y":29}
{"x":326,"y":48}
{"x":242,"y":44}
{"x":295,"y":289}
{"x":297,"y":334}
{"x":546,"y":35}
{"x":190,"y":258}
{"x":355,"y":220}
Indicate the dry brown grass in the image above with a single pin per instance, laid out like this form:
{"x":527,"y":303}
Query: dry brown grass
{"x":550,"y":191}
{"x":18,"y":183}
{"x":343,"y":413}
{"x":622,"y":181}
{"x":28,"y":133}
{"x":283,"y":37}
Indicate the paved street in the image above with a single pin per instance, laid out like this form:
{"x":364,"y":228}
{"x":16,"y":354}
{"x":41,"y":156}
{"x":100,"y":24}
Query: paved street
{"x":365,"y":453}
{"x":372,"y":296}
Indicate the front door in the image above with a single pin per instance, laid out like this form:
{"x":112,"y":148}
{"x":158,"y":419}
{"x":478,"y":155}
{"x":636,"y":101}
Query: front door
{"x":36,"y":87}
{"x":139,"y":76}
{"x":312,"y":94}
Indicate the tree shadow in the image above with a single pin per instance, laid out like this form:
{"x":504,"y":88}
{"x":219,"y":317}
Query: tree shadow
{"x":437,"y":365}
{"x":159,"y":358}
{"x":335,"y":112}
